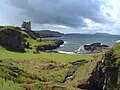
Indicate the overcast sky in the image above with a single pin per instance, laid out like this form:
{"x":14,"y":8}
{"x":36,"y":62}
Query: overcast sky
{"x":68,"y":16}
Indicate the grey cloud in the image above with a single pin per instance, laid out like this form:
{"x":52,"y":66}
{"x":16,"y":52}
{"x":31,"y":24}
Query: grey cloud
{"x":62,"y":12}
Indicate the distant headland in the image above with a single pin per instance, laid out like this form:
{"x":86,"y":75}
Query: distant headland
{"x":49,"y":33}
{"x":102,"y":34}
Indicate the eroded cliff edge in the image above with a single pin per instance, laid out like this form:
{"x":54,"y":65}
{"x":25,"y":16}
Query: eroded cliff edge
{"x":105,"y":75}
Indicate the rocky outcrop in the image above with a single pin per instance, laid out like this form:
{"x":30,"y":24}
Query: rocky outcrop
{"x":104,"y":75}
{"x":56,"y":44}
{"x":11,"y":38}
{"x":95,"y":47}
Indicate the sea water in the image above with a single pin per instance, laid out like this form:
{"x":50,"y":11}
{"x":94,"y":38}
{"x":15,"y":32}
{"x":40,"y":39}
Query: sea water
{"x":75,"y":42}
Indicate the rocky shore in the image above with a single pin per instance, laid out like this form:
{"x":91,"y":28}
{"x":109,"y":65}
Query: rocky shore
{"x":95,"y":47}
{"x":92,"y":48}
{"x":50,"y":46}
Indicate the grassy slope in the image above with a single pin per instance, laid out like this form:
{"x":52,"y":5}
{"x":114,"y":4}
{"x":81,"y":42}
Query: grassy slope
{"x":52,"y":75}
{"x":9,"y":85}
{"x":43,"y":65}
{"x":29,"y":37}
{"x":49,"y":56}
{"x":36,"y":42}
{"x":116,"y":49}
{"x":84,"y":71}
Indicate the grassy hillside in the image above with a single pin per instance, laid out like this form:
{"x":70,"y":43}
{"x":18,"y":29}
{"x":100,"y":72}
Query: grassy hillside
{"x":13,"y":38}
{"x":116,"y":64}
{"x":43,"y":71}
{"x":50,"y":56}
{"x":52,"y":68}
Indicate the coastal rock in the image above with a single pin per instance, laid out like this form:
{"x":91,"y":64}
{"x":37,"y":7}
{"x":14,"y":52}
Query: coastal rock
{"x":98,"y":47}
{"x":56,"y":44}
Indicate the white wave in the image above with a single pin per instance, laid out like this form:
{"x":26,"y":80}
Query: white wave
{"x":64,"y":52}
{"x":62,"y":45}
{"x":65,"y":42}
{"x":118,"y":41}
{"x":81,"y":48}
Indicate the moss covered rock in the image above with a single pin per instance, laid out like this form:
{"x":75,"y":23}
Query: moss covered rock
{"x":53,"y":45}
{"x":11,"y":37}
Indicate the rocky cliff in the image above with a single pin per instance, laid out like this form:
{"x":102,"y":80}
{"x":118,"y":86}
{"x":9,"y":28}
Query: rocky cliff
{"x":11,"y":37}
{"x":105,"y":74}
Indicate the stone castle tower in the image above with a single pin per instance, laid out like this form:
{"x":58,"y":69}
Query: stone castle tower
{"x":26,"y":26}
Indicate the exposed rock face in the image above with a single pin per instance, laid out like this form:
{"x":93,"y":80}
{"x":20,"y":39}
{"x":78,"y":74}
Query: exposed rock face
{"x":12,"y":38}
{"x":95,"y":46}
{"x":50,"y":47}
{"x":104,"y":75}
{"x":59,"y":42}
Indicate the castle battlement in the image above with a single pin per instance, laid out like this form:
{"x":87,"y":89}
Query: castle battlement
{"x":26,"y":26}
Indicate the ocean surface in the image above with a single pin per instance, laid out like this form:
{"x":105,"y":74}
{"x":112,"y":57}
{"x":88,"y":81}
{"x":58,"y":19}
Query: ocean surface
{"x":73,"y":42}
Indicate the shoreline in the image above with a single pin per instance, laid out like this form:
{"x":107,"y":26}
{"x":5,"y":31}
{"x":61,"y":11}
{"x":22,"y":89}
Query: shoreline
{"x":64,"y":52}
{"x":72,"y":53}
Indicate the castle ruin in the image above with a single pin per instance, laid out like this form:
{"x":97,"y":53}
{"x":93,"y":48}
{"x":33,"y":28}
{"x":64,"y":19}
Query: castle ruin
{"x":26,"y":26}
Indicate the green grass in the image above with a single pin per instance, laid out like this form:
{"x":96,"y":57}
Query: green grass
{"x":116,"y":49}
{"x":29,"y":61}
{"x":30,"y":72}
{"x":84,"y":72}
{"x":38,"y":42}
{"x":10,"y":27}
{"x":9,"y":85}
{"x":49,"y":56}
